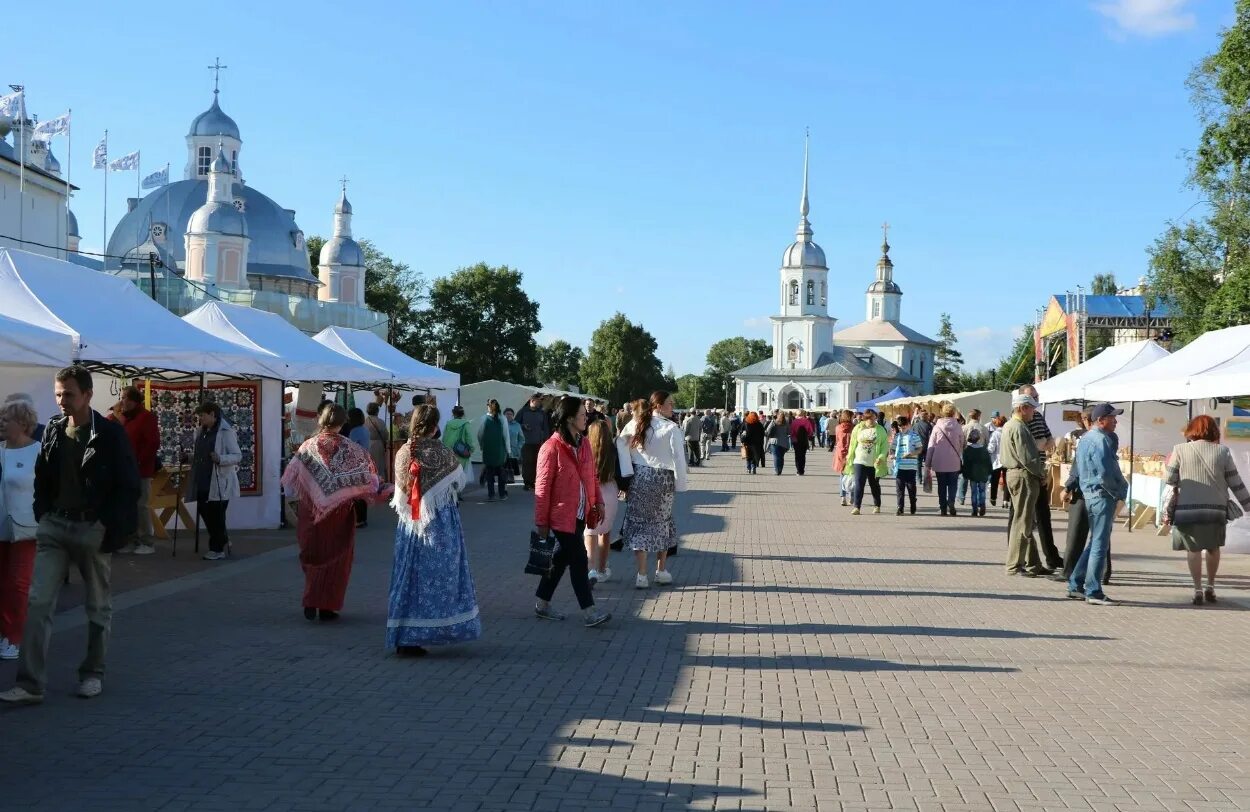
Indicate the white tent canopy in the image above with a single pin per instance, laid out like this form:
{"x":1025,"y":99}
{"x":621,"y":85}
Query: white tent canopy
{"x":365,"y":347}
{"x":297,"y":357}
{"x":108,"y":321}
{"x":1205,"y":368}
{"x":27,"y":345}
{"x":1117,"y":360}
{"x":987,"y":400}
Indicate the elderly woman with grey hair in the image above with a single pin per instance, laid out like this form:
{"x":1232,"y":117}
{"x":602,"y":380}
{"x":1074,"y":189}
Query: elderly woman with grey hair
{"x":18,"y":453}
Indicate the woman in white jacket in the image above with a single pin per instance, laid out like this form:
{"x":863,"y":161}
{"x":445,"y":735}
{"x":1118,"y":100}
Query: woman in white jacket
{"x":651,"y":450}
{"x":214,"y":478}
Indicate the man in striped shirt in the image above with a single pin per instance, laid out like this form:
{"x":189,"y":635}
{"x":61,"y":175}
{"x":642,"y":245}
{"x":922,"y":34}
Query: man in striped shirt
{"x":906,"y":450}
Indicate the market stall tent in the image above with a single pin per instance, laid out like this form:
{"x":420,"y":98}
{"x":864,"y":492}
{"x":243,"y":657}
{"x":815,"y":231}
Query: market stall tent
{"x":28,"y":345}
{"x":987,"y":400}
{"x":894,"y":394}
{"x":1120,"y":359}
{"x":110,"y":324}
{"x":1180,"y":376}
{"x":473,"y":398}
{"x":365,"y":347}
{"x":301,"y":358}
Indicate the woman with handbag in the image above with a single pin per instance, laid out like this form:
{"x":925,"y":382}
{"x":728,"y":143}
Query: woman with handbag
{"x":567,"y":500}
{"x":946,"y":457}
{"x":867,"y":459}
{"x":325,"y":475}
{"x":458,"y":436}
{"x":377,"y":440}
{"x":18,"y":453}
{"x":650,"y":450}
{"x":1201,"y":472}
{"x":599,"y":537}
{"x":777,"y":433}
{"x":432,"y":597}
{"x":752,"y":441}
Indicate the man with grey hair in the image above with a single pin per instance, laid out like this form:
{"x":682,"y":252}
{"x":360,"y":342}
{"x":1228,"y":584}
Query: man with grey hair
{"x":1041,"y":512}
{"x":1026,"y":470}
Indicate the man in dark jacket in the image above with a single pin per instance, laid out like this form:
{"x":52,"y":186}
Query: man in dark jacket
{"x":535,"y":428}
{"x":86,"y":495}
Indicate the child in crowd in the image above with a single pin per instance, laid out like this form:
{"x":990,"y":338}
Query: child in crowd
{"x":976,"y":470}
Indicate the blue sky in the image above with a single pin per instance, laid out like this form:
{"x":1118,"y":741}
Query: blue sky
{"x":647,"y":157}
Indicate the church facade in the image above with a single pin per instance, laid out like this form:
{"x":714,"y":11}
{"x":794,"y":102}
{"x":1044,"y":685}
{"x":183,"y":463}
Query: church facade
{"x":815,"y":366}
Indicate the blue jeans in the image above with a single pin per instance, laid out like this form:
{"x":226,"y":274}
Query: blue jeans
{"x":946,"y":482}
{"x":978,"y":495}
{"x":963,"y":489}
{"x":779,"y":458}
{"x":1087,"y":573}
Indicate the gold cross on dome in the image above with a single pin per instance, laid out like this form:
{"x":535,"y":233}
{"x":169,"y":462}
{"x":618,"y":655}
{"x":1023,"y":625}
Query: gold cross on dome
{"x":216,"y":68}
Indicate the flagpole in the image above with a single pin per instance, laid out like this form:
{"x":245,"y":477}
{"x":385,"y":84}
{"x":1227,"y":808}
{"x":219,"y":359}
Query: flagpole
{"x":105,"y":249}
{"x":21,"y":163}
{"x":69,"y":169}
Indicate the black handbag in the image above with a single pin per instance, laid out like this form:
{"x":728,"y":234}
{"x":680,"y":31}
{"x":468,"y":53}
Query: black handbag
{"x":541,"y":552}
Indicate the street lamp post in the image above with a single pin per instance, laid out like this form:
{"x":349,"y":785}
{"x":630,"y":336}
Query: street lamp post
{"x":440,"y":358}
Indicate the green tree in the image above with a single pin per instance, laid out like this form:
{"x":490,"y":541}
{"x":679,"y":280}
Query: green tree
{"x":1016,"y":368}
{"x":948,"y":362}
{"x":1199,"y":267}
{"x":560,"y":363}
{"x":391,"y":288}
{"x":485,"y":323}
{"x":731,"y":354}
{"x":1104,"y":284}
{"x":688,"y":390}
{"x":621,"y":364}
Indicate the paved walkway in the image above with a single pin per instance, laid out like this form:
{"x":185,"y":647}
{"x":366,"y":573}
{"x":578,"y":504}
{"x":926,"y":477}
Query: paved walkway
{"x":804,"y":659}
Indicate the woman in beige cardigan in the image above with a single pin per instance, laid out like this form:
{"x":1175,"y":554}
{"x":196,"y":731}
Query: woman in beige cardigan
{"x":1202,"y":472}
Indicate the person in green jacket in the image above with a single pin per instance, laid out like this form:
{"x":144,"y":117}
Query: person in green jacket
{"x":494,"y":438}
{"x":977,"y":468}
{"x":866,"y":459}
{"x":459,"y":434}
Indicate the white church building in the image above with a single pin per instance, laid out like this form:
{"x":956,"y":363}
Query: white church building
{"x":816,"y":367}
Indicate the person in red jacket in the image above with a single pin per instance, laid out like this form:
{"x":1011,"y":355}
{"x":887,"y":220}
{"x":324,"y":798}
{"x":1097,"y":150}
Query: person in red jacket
{"x":567,"y":500}
{"x":145,"y":441}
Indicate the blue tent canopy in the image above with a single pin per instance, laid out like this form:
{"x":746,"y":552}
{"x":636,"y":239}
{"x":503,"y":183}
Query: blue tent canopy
{"x":896,"y":392}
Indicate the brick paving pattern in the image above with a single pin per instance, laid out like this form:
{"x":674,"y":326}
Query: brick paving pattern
{"x":803,"y":659}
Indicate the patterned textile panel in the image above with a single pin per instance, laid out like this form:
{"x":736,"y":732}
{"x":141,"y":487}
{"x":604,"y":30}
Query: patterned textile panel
{"x":174,"y":406}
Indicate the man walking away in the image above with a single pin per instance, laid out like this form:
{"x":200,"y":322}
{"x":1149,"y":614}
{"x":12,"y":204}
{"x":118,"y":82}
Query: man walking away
{"x":1103,"y":485}
{"x":726,"y":426}
{"x":692,"y":429}
{"x":735,"y":428}
{"x":1025,"y":471}
{"x":86,"y":492}
{"x":710,"y":427}
{"x":145,"y":444}
{"x":906,"y":450}
{"x":536,"y":428}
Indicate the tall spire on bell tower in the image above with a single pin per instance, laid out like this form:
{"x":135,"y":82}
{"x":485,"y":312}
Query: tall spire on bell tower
{"x":804,"y":232}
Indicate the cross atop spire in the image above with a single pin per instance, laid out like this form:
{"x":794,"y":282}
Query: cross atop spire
{"x":217,"y":68}
{"x":343,"y":180}
{"x":885,"y":238}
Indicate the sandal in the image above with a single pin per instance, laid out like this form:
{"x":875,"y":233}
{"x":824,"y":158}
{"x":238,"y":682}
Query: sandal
{"x":1209,"y":594}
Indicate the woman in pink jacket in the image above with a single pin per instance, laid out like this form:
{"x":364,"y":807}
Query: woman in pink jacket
{"x":567,"y":500}
{"x":946,"y":457}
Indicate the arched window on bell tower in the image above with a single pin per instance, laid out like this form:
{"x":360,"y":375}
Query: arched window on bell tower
{"x":794,"y":292}
{"x":811,"y":292}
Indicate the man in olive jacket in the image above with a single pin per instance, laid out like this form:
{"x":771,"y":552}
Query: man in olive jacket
{"x":86,"y":503}
{"x":1026,"y":470}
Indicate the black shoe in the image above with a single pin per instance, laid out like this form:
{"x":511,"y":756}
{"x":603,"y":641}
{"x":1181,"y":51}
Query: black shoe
{"x":1028,"y":573}
{"x":410,"y":651}
{"x":953,"y":511}
{"x":326,"y":614}
{"x":900,"y":511}
{"x":943,"y":511}
{"x":310,"y":613}
{"x":913,"y":510}
{"x":1058,"y":577}
{"x":1045,"y":571}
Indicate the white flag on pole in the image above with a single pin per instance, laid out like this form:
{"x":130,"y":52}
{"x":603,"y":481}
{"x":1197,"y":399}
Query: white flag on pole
{"x":44,"y":130}
{"x":125,"y":163}
{"x":11,"y":105}
{"x":156,"y":179}
{"x":101,"y":156}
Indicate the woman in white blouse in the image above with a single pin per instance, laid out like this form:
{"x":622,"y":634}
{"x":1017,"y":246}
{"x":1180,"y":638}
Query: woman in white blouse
{"x":17,"y":521}
{"x":651,"y":450}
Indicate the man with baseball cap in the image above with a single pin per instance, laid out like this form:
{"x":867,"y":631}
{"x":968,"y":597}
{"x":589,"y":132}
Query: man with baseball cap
{"x":1103,"y":486}
{"x":1026,"y":470}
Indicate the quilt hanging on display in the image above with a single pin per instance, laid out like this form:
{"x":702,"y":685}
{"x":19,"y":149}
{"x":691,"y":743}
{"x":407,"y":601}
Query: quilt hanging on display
{"x":174,"y":406}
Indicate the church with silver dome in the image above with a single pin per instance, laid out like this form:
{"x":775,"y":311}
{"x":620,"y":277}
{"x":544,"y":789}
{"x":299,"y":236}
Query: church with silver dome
{"x":215,"y":236}
{"x":818,"y":368}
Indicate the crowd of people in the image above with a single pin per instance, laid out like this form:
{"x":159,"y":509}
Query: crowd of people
{"x":75,"y":492}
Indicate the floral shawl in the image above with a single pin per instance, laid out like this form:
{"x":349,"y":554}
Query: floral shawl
{"x":427,"y":477}
{"x":327,"y":471}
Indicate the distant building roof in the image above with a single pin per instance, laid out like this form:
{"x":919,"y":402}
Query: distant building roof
{"x":881,"y":330}
{"x":841,"y":362}
{"x":1115,"y":307}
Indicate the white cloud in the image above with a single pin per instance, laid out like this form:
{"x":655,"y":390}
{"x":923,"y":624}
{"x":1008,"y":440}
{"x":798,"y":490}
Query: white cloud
{"x":984,"y":347}
{"x":1148,"y":18}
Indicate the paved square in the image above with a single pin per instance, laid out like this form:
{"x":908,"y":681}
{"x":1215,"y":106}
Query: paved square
{"x":803,"y":659}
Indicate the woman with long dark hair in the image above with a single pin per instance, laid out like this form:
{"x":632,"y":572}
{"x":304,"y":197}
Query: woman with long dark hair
{"x":651,"y":450}
{"x":567,"y":500}
{"x":599,"y":538}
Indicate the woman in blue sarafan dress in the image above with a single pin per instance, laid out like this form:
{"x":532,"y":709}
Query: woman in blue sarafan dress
{"x":432,"y":600}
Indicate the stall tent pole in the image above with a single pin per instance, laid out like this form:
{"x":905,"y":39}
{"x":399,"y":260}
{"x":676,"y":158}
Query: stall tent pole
{"x":1132,"y":426}
{"x":282,"y":452}
{"x":203,"y":386}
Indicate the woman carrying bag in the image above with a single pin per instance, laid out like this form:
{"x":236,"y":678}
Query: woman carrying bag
{"x":458,"y":436}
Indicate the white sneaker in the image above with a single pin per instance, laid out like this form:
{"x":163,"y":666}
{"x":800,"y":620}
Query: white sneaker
{"x":641,"y":582}
{"x":90,"y":688}
{"x":212,"y":555}
{"x":8,"y":651}
{"x":663,"y":578}
{"x":20,"y":696}
{"x":593,"y":576}
{"x":605,"y":575}
{"x":143,"y":549}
